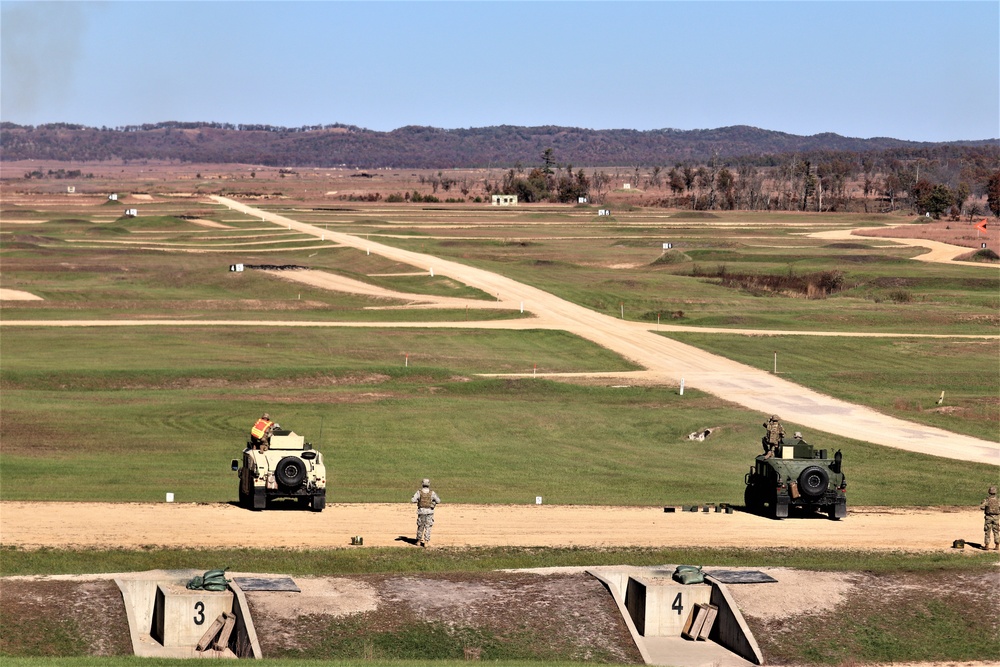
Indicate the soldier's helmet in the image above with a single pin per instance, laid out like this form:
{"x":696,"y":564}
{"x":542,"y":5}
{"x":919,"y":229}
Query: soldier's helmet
{"x":426,"y":482}
{"x":775,"y":418}
{"x":993,"y":490}
{"x":266,"y":416}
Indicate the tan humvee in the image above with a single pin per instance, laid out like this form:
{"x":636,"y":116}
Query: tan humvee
{"x":288,"y":468}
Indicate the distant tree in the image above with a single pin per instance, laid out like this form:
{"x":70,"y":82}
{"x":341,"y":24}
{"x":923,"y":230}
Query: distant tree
{"x":934,"y":200}
{"x":690,"y":176}
{"x":655,"y":178}
{"x":676,"y":180}
{"x":993,"y":193}
{"x":962,"y":193}
{"x":600,"y":181}
{"x":548,"y":161}
{"x":891,"y":188}
{"x":726,"y":183}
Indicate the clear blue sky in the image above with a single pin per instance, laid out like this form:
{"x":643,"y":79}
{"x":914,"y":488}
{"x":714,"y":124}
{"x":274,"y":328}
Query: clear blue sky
{"x":924,"y":71}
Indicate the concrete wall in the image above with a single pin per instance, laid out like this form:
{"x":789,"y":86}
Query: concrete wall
{"x":730,"y":628}
{"x":659,"y":607}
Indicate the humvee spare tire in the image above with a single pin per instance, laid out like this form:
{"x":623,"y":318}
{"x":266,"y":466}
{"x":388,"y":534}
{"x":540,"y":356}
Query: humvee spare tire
{"x":291,"y":471}
{"x":813,"y":481}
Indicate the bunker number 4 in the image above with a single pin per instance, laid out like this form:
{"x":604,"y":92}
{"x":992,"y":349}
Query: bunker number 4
{"x":677,"y":604}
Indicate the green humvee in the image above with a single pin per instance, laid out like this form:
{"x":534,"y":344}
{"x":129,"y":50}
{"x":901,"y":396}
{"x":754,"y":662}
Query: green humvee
{"x":796,"y":475}
{"x":288,"y":468}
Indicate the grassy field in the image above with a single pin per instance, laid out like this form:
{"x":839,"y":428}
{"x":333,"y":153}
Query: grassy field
{"x":79,"y":402}
{"x":79,"y":407}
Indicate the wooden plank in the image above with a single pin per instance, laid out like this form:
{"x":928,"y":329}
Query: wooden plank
{"x":213,"y":630}
{"x":227,"y":629}
{"x":711,"y":612}
{"x":698,"y":614}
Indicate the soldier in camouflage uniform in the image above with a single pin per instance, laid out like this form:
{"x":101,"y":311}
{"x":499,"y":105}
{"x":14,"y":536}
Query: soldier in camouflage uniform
{"x":774,"y":437}
{"x":426,"y":500}
{"x":991,"y":512}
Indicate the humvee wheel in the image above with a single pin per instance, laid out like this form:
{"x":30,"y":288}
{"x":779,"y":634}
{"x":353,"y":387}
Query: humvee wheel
{"x":813,"y":481}
{"x":290,"y":471}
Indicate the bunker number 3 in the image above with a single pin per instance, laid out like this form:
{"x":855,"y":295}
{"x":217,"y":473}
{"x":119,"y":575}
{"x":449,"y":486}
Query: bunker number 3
{"x":199,"y":607}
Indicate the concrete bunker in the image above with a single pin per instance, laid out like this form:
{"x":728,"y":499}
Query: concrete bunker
{"x":660,"y":613}
{"x":168,"y":620}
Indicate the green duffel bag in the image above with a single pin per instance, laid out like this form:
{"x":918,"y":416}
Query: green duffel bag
{"x":689,"y":574}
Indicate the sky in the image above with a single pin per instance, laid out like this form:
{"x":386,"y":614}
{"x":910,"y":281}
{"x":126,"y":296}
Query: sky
{"x":920,"y":71}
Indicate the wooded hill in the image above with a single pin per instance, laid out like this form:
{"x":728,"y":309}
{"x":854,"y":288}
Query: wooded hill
{"x":433,"y":148}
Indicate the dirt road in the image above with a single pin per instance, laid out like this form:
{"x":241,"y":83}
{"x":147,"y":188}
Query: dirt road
{"x":136,"y":525}
{"x":671,"y":362}
{"x":937,"y":252}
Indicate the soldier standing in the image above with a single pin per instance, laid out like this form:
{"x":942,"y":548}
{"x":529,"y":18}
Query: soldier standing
{"x":991,"y":512}
{"x":774,"y":436}
{"x":426,"y":500}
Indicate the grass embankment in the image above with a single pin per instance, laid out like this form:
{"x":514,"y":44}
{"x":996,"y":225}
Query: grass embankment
{"x":895,"y":608}
{"x":132,"y":413}
{"x":370,"y":560}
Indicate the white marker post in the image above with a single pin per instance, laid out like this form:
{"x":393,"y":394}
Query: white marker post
{"x":622,"y":304}
{"x":432,"y":272}
{"x":657,"y":321}
{"x":682,"y":386}
{"x":775,"y":362}
{"x":522,"y":307}
{"x":407,"y":362}
{"x":170,"y":497}
{"x":538,"y":500}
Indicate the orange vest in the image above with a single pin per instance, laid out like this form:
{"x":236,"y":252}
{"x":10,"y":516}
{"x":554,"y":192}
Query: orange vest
{"x":260,"y":428}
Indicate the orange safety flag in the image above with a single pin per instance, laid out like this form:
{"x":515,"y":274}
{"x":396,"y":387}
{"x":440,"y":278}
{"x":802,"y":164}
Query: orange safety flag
{"x":982,"y":225}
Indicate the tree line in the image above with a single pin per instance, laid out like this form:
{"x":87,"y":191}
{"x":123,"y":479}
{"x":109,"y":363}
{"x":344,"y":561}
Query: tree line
{"x":433,"y":148}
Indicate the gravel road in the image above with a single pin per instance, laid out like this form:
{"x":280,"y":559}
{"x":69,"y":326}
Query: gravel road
{"x":138,"y":525}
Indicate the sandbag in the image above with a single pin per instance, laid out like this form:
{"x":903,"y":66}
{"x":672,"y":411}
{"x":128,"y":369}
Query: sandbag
{"x":689,"y":574}
{"x":212,"y":580}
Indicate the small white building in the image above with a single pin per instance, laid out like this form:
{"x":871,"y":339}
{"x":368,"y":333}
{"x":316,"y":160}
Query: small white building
{"x":70,"y":189}
{"x":505,"y":200}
